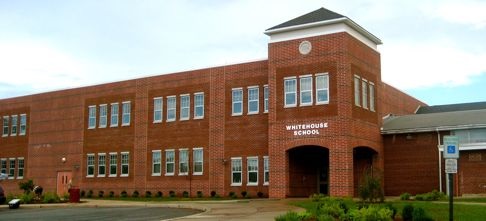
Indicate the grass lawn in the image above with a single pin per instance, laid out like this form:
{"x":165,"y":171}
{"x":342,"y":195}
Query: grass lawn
{"x":438,"y":210}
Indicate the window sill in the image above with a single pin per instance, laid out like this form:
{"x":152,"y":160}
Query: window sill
{"x":197,"y":174}
{"x":183,"y":174}
{"x":13,"y":135}
{"x":19,"y":178}
{"x":305,"y":105}
{"x":183,"y":119}
{"x":101,"y":176}
{"x":198,"y":118}
{"x":236,"y":184}
{"x":265,"y":184}
{"x":89,"y":176}
{"x":125,"y":125}
{"x":170,"y":120}
{"x":114,"y":125}
{"x":290,"y":106}
{"x":252,"y":184}
{"x":112,"y":176}
{"x":124,"y":175}
{"x":322,"y":103}
{"x":102,"y":126}
{"x":169,"y":174}
{"x":155,"y":174}
{"x":157,"y":121}
{"x":89,"y":128}
{"x":252,"y":113}
{"x":235,"y":115}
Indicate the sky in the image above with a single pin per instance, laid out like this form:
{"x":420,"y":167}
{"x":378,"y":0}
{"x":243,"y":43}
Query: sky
{"x":434,"y":50}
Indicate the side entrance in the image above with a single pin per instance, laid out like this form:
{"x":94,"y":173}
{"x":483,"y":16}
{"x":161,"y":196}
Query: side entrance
{"x":308,"y":171}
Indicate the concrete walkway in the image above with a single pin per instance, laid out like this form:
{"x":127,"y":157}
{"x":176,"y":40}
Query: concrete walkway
{"x":257,"y":209}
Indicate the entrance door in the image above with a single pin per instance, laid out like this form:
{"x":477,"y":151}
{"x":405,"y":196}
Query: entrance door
{"x":308,"y":171}
{"x":323,"y":181}
{"x":63,"y":179}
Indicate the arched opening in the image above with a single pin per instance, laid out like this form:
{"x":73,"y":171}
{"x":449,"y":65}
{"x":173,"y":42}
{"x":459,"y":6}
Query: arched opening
{"x":362,"y":162}
{"x":308,"y":171}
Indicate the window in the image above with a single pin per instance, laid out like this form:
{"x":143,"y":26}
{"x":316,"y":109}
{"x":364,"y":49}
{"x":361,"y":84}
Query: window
{"x":290,"y":88}
{"x":365,"y":93}
{"x":114,"y":115}
{"x":113,"y":164}
{"x":322,"y":89}
{"x":23,"y":124}
{"x":90,"y":165}
{"x":198,"y":155}
{"x":265,"y":98}
{"x":266,"y":170}
{"x":237,"y":95}
{"x":357,"y":94}
{"x":252,"y":171}
{"x":183,"y":162}
{"x":199,"y":105}
{"x":305,"y":90}
{"x":101,"y":164}
{"x":3,"y":165}
{"x":157,"y":109}
{"x":169,"y":162}
{"x":5,"y":126}
{"x":372,"y":96}
{"x":185,"y":106}
{"x":171,"y":108}
{"x":125,"y":163}
{"x":20,"y":168}
{"x":103,"y":115}
{"x":92,"y":117}
{"x":236,"y":171}
{"x":11,"y":168}
{"x":126,"y":109}
{"x":13,"y":130}
{"x":253,"y":100}
{"x":156,"y":162}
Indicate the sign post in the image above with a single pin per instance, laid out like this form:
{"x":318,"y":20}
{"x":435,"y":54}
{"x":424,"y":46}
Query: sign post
{"x":451,"y":154}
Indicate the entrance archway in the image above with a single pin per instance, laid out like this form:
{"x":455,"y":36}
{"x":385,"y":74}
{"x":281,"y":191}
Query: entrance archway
{"x":362,"y":162}
{"x":308,"y":171}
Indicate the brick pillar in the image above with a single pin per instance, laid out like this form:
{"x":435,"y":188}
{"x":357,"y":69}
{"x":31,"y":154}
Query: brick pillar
{"x":216,"y":130}
{"x":139,"y":155}
{"x":341,"y":171}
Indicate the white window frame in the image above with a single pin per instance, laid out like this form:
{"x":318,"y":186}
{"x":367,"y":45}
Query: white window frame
{"x":101,"y":155}
{"x":233,"y":172}
{"x":156,"y":161}
{"x":92,"y":117}
{"x":5,"y":122}
{"x":113,"y":157}
{"x":124,"y":163}
{"x":183,"y":161}
{"x":90,"y":163}
{"x":23,"y":124}
{"x":195,"y":160}
{"x":200,"y":105}
{"x":287,"y":93}
{"x":309,"y":91}
{"x":3,"y":169}
{"x":20,"y":168}
{"x":10,"y":169}
{"x":357,"y":90}
{"x":372,"y":96}
{"x":364,"y":93}
{"x":238,"y":102}
{"x":167,"y":162}
{"x":103,"y":116}
{"x":126,"y":112}
{"x":326,"y":82}
{"x":250,"y":100}
{"x":249,"y":171}
{"x":114,"y":117}
{"x":266,"y":94}
{"x":159,"y":109}
{"x":185,"y":106}
{"x":266,"y":170}
{"x":171,"y":108}
{"x":14,"y":121}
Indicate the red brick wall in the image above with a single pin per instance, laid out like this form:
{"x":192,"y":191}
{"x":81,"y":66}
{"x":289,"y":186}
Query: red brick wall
{"x":396,"y":102}
{"x":471,"y":173}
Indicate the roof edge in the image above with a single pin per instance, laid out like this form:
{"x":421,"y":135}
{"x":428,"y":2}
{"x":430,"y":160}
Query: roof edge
{"x":432,"y":129}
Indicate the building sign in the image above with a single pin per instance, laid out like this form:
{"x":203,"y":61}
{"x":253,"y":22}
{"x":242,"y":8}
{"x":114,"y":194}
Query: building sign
{"x":306,"y":129}
{"x":451,"y":147}
{"x":451,"y":165}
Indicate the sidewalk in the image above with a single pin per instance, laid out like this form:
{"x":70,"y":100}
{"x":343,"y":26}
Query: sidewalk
{"x":253,"y":209}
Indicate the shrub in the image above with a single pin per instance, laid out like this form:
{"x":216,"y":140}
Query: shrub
{"x":185,"y":194}
{"x":65,"y":197}
{"x":405,"y":196}
{"x":159,"y":194}
{"x":135,"y":194}
{"x":407,"y":212}
{"x":232,"y":195}
{"x":370,"y":188}
{"x":27,"y":186}
{"x":391,"y":208}
{"x":213,"y":193}
{"x":50,"y":198}
{"x":101,"y":193}
{"x":260,"y":194}
{"x":370,"y":213}
{"x":419,"y":214}
{"x":420,"y":197}
{"x":289,"y":216}
{"x":172,"y":194}
{"x":430,"y":196}
{"x":90,"y":193}
{"x":27,"y":197}
{"x":316,"y":197}
{"x":123,"y":194}
{"x":148,"y":194}
{"x":83,"y":193}
{"x":199,"y":194}
{"x":111,"y":194}
{"x":244,"y":193}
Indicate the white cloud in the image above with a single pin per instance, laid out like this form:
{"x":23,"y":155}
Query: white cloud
{"x":417,"y":65}
{"x":463,"y":12}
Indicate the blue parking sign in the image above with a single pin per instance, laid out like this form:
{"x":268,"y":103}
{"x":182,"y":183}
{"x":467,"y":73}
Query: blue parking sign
{"x":451,"y":147}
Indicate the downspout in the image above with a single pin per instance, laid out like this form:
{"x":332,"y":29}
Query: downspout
{"x":440,"y":159}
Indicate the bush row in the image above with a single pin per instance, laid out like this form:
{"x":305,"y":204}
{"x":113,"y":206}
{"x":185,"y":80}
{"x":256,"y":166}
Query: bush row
{"x":48,"y":197}
{"x":430,"y":196}
{"x":160,"y":194}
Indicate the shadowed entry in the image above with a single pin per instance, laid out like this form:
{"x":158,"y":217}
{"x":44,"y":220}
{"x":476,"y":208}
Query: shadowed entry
{"x":308,"y":171}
